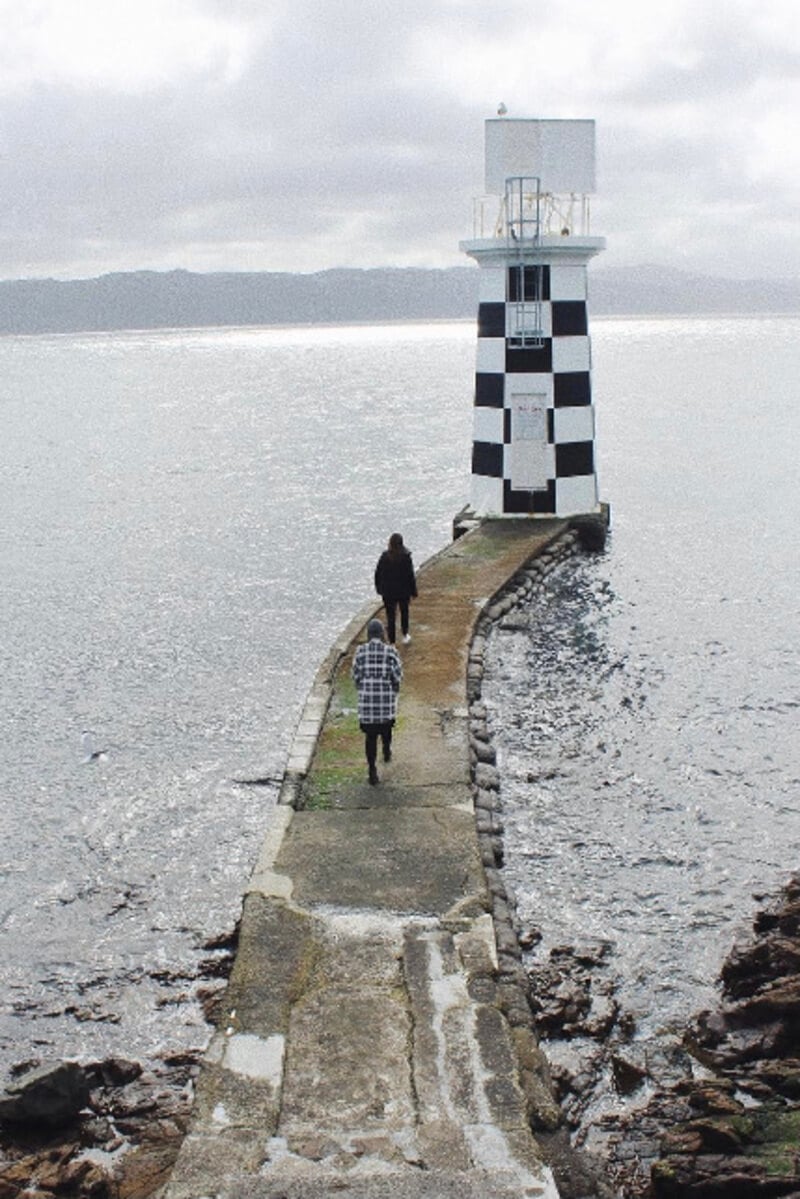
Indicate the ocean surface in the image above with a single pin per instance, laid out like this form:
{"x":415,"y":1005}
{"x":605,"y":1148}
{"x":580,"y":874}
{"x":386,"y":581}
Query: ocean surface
{"x":647,"y":720}
{"x":189,"y":518}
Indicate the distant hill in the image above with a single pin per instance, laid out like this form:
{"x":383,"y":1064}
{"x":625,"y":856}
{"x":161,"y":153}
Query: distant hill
{"x":182,"y":299}
{"x":655,"y":290}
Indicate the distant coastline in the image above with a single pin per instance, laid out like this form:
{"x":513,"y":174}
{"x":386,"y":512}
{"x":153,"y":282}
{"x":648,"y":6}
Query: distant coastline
{"x":184,"y":299}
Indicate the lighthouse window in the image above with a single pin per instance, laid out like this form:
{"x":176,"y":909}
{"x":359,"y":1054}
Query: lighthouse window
{"x":528,"y":283}
{"x":529,"y":359}
{"x":525,"y":326}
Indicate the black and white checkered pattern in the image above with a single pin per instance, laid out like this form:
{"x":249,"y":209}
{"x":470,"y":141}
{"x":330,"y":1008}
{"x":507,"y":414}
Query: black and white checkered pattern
{"x":377,"y":673}
{"x":555,"y":375}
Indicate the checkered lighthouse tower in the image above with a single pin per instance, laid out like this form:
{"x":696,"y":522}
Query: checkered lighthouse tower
{"x":533,"y":450}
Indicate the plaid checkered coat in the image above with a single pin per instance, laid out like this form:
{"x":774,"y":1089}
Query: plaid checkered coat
{"x":377,"y":671}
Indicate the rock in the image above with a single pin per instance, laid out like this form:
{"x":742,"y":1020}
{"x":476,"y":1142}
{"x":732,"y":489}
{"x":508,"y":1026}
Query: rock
{"x":487,"y":777}
{"x":506,"y":941}
{"x":56,"y":1172}
{"x":146,"y":1169}
{"x":483,"y":822}
{"x":569,"y":999}
{"x":681,"y":1140}
{"x":50,"y":1095}
{"x":781,"y":1077}
{"x":718,"y":1135}
{"x":211,"y":999}
{"x":602,"y":1016}
{"x":486,"y":800}
{"x":578,"y":1175}
{"x":149,"y":1111}
{"x":721,"y":1146}
{"x":544,"y":1114}
{"x":591,"y":953}
{"x":628,"y":1077}
{"x":114,"y":1072}
{"x":483,"y":751}
{"x":626,"y":1023}
{"x":714,"y":1098}
{"x":591,"y":530}
{"x":750,"y":967}
{"x":530,"y":937}
{"x":706,"y":1175}
{"x":780,"y":999}
{"x":515,"y":622}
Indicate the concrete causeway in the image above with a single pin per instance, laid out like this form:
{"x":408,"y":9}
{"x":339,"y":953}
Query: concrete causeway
{"x":362,"y":1052}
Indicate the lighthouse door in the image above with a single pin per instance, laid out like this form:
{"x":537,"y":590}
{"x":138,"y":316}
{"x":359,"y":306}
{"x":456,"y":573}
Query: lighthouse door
{"x":530,"y":452}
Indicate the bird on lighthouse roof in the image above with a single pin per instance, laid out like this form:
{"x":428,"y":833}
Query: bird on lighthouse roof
{"x":501,"y":109}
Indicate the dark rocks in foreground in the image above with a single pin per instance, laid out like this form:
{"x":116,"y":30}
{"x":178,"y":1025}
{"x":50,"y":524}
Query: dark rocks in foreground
{"x":50,"y":1096}
{"x":107,"y":1130}
{"x":722,"y":1120}
{"x":732,"y":1130}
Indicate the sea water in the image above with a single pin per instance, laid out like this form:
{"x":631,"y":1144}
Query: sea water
{"x":188,"y":520}
{"x":647,"y":720}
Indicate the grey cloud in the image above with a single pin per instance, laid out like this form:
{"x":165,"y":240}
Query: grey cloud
{"x":724,"y":58}
{"x":331,"y":143}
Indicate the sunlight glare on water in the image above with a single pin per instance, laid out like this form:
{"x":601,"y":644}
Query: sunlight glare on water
{"x":190,"y":518}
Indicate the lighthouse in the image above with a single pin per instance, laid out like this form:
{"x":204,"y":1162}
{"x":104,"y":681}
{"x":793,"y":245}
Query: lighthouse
{"x":533,"y":449}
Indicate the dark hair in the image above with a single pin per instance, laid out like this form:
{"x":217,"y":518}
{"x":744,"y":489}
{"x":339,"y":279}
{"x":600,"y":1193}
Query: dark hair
{"x":396,"y":546}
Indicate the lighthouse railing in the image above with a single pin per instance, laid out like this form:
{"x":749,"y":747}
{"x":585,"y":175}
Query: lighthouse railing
{"x":559,"y":215}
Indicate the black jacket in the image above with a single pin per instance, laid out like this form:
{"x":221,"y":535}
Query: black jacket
{"x":394,"y":577}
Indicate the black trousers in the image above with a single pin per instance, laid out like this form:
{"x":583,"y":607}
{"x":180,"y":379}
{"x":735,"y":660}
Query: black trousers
{"x":391,"y":606}
{"x":371,"y":734}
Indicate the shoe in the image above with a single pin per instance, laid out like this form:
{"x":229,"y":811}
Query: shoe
{"x":387,"y":755}
{"x":406,"y":638}
{"x":373,"y":775}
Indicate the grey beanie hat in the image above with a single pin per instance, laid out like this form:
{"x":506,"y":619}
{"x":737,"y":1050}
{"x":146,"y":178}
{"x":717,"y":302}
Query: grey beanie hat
{"x":375,"y":629}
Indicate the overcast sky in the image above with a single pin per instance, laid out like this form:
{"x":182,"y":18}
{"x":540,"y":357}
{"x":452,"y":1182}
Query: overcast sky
{"x":297,"y":135}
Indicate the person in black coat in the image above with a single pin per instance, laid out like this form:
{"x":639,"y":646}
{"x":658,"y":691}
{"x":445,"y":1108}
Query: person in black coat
{"x":396,"y":585}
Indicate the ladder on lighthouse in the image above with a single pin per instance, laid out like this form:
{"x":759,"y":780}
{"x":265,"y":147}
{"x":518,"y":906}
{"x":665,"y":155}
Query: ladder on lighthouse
{"x":522,"y":208}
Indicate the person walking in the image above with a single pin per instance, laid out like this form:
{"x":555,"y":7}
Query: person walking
{"x":377,"y":673}
{"x":396,"y":585}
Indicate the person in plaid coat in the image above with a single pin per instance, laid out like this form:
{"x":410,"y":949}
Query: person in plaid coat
{"x":377,"y":672}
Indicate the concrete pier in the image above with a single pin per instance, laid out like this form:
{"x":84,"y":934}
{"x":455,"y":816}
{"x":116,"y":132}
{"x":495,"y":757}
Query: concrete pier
{"x":364,"y":1051}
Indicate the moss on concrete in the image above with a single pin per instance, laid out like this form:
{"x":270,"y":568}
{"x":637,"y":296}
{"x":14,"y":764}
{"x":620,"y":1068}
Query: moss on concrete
{"x":337,"y":764}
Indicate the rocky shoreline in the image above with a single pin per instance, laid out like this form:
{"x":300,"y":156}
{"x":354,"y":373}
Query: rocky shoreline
{"x":106,"y":1129}
{"x":728,"y":1126}
{"x":732,"y":1130}
{"x":728,"y":1129}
